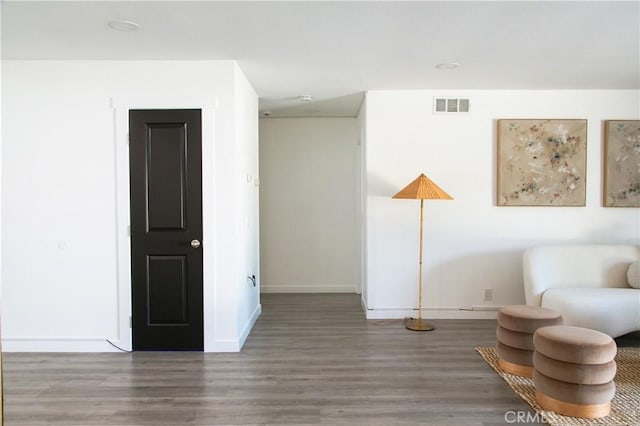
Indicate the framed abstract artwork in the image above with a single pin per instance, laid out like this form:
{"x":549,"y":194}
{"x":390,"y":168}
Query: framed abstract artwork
{"x":542,"y":162}
{"x":621,"y":163}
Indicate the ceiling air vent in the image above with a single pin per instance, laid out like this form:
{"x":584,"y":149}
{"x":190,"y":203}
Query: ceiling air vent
{"x":450,"y":105}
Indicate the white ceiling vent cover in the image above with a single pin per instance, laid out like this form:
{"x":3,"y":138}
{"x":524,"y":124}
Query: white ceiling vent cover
{"x":450,"y":105}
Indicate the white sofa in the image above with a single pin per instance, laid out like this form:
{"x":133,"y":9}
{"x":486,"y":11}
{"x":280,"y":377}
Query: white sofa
{"x":588,"y":284}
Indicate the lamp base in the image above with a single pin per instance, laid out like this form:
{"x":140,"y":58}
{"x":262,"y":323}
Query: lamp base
{"x":417,"y":324}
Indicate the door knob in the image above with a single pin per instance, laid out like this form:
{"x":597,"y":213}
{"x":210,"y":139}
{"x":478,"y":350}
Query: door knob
{"x":195,"y":243}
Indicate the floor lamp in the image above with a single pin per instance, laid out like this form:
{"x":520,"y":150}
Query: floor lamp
{"x":421,"y":189}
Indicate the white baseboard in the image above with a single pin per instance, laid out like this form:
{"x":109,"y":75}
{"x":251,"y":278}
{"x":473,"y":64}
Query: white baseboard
{"x":431,"y":313}
{"x":307,"y":288}
{"x":224,"y":346}
{"x":235,"y":345}
{"x":247,"y":328}
{"x":100,"y":344}
{"x":58,"y":344}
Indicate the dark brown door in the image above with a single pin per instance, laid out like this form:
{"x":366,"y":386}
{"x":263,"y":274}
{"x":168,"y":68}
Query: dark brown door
{"x":165,"y":154}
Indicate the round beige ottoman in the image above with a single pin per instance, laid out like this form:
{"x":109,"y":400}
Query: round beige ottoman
{"x":574,"y":371}
{"x":516,"y":325}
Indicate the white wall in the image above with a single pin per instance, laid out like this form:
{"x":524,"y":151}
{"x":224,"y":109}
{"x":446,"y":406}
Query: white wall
{"x":308,"y":203}
{"x":470,"y":243}
{"x":362,"y":203}
{"x":1,"y":132}
{"x":247,"y":224}
{"x":62,"y":174}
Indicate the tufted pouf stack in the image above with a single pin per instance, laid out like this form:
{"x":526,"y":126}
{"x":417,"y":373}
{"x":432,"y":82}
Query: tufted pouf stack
{"x":574,"y":371}
{"x":516,"y":325}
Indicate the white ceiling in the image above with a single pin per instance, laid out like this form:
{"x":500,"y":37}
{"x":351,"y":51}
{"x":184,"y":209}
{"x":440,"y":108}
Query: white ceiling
{"x":336,"y":50}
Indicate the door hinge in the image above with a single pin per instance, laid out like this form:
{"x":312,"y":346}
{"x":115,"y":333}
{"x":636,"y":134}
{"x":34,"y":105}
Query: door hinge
{"x":130,"y":322}
{"x":128,"y":138}
{"x":129,"y":230}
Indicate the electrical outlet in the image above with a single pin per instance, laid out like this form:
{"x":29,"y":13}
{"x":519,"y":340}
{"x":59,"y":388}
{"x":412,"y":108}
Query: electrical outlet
{"x":488,"y":294}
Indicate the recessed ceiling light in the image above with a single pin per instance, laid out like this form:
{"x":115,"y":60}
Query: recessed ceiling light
{"x":123,"y":25}
{"x":447,"y":65}
{"x":306,"y":98}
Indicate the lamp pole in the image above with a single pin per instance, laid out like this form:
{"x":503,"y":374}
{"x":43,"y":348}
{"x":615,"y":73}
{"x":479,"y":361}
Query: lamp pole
{"x":418,"y":324}
{"x":420,"y":263}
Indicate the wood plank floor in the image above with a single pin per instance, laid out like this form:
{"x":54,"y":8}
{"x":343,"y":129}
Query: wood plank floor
{"x":311,"y":359}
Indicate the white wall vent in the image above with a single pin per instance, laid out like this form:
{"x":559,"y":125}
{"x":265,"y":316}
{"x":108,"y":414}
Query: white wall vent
{"x":450,"y":105}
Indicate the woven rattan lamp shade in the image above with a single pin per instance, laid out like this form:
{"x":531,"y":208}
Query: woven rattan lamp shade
{"x":423,"y":188}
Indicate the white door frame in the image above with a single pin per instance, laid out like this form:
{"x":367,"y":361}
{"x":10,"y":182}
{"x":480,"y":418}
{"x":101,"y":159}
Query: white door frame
{"x":121,"y":107}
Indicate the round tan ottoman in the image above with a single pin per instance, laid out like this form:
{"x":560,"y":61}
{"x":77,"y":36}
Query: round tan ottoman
{"x":516,"y":325}
{"x":574,"y":371}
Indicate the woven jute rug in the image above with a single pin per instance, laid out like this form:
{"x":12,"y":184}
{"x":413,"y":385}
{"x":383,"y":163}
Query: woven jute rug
{"x":625,"y":406}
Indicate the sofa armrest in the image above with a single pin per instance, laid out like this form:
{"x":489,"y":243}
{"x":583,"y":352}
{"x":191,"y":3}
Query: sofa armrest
{"x":534,"y":278}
